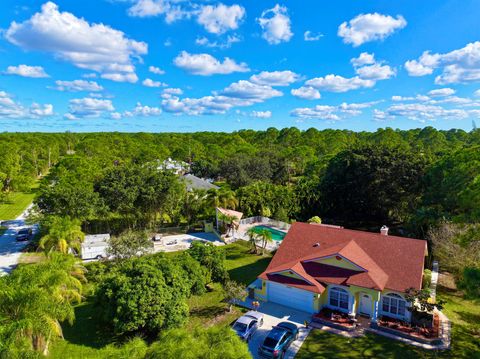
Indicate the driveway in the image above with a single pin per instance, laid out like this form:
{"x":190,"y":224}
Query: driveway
{"x":274,"y":314}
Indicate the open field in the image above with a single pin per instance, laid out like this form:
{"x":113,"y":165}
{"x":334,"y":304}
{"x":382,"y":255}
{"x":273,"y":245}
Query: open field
{"x":17,"y":202}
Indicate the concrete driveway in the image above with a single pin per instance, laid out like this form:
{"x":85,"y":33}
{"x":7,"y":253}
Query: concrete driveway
{"x":274,"y":314}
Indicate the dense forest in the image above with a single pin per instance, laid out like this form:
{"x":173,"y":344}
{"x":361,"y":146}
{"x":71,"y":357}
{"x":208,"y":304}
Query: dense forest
{"x":422,"y":183}
{"x":411,"y":179}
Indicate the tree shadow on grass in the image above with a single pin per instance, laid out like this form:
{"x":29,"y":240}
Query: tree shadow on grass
{"x":248,"y":273}
{"x":87,"y":329}
{"x":208,"y":312}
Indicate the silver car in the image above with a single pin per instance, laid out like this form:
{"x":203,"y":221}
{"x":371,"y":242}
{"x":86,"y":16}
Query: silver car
{"x":248,"y":324}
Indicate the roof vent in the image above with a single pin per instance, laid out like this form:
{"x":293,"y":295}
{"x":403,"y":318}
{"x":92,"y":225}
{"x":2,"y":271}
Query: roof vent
{"x":384,"y":230}
{"x":316,"y":244}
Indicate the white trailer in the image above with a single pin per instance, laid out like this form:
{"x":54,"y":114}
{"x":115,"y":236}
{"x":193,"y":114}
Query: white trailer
{"x":95,"y":246}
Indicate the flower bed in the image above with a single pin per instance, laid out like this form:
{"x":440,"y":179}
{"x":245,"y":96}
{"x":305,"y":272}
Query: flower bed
{"x":404,"y":329}
{"x":335,"y":317}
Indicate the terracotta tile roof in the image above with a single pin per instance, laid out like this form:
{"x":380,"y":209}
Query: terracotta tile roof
{"x":385,"y":262}
{"x":230,"y":212}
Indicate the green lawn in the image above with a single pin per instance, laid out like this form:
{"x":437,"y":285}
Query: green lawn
{"x":16,"y":204}
{"x":464,"y":314}
{"x":87,"y":339}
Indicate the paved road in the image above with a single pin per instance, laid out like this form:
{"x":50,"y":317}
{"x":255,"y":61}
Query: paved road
{"x":10,"y":249}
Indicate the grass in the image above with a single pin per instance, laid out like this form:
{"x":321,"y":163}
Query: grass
{"x":86,"y":338}
{"x":243,"y":266}
{"x":464,"y":314}
{"x":16,"y":203}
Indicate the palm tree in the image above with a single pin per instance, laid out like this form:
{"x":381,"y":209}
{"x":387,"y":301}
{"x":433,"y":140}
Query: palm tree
{"x":34,"y":300}
{"x":266,"y":237}
{"x":63,"y":235}
{"x":222,"y":197}
{"x":252,"y":234}
{"x":228,"y":222}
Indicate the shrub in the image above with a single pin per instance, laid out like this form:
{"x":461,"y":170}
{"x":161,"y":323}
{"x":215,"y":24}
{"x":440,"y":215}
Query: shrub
{"x":427,"y":278}
{"x":214,"y":342}
{"x":137,"y":298}
{"x":212,"y":258}
{"x":470,"y":282}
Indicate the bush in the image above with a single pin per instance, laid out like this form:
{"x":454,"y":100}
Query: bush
{"x":212,"y":258}
{"x":137,"y":298}
{"x":470,"y":282}
{"x":427,"y":279}
{"x":315,"y":219}
{"x":214,"y":342}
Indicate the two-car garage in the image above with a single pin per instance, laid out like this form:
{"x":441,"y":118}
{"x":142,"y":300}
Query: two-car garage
{"x":290,"y":297}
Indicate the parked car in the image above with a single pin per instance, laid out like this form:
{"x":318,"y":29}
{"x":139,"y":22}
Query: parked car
{"x":24,"y":234}
{"x":247,"y":325}
{"x":278,"y":340}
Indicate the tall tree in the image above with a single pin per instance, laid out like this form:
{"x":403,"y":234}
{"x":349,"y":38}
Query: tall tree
{"x":373,"y":184}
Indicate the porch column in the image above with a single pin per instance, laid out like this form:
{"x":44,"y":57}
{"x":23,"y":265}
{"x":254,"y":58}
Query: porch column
{"x":375,"y":311}
{"x":352,"y":299}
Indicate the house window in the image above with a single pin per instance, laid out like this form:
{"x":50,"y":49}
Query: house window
{"x":338,"y":298}
{"x":394,"y":304}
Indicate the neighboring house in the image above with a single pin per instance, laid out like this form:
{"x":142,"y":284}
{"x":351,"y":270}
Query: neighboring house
{"x":193,"y":182}
{"x":177,"y":167}
{"x":351,"y":271}
{"x":95,"y":246}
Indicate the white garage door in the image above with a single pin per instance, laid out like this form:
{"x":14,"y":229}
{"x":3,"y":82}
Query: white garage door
{"x":290,"y":297}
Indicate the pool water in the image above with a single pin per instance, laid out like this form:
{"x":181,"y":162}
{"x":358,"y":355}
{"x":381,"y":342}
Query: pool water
{"x":276,"y":234}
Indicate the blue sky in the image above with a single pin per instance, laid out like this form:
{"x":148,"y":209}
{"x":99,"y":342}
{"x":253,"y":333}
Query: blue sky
{"x":179,"y":65}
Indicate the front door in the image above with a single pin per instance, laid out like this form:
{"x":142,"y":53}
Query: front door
{"x":365,"y":306}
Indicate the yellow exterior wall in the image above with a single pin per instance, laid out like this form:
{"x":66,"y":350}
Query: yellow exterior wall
{"x":355,"y":291}
{"x":332,"y":261}
{"x":290,"y":275}
{"x":261,"y":294}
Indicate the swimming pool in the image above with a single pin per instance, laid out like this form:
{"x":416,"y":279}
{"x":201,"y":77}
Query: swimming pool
{"x":276,"y":234}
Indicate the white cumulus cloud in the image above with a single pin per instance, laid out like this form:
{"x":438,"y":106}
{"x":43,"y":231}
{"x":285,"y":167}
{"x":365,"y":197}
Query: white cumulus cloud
{"x":375,"y":72}
{"x":206,"y":65}
{"x":275,"y":78}
{"x":306,"y":93}
{"x":310,"y":36}
{"x":457,"y":66}
{"x":88,"y":108}
{"x":96,"y":47}
{"x":151,"y":83}
{"x":369,"y":27}
{"x":225,"y":44}
{"x":261,"y":114}
{"x":156,"y":70}
{"x":336,"y":83}
{"x":276,"y":25}
{"x":218,"y":19}
{"x":172,"y":10}
{"x":442,"y":92}
{"x":9,"y":108}
{"x":331,"y":113}
{"x":27,"y":71}
{"x":363,"y":59}
{"x":77,"y":85}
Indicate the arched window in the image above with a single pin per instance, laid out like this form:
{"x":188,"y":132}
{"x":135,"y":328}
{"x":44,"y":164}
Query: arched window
{"x":394,"y":304}
{"x":338,"y":298}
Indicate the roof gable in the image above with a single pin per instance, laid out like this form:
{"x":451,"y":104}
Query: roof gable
{"x":377,"y":261}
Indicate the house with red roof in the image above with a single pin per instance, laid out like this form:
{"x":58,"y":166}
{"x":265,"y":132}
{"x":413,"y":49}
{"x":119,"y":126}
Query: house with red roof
{"x":356,"y":272}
